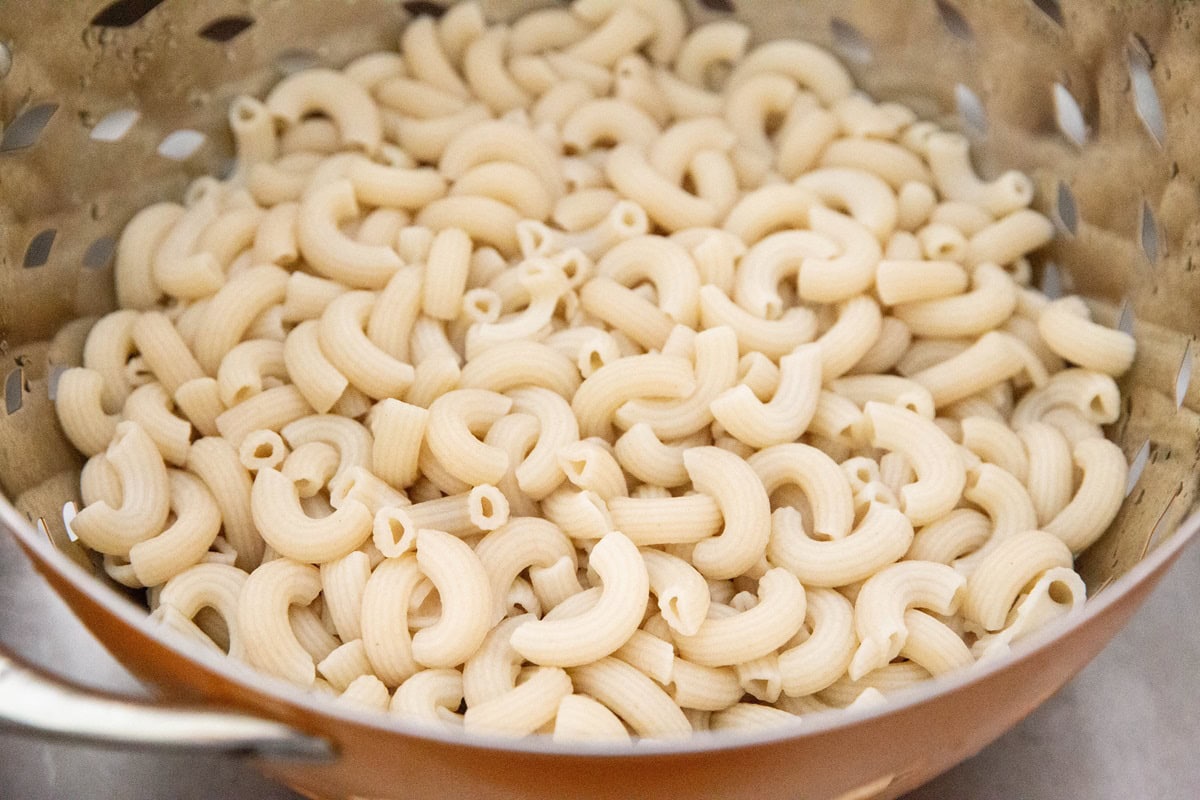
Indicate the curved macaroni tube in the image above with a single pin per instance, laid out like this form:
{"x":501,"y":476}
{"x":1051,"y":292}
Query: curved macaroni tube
{"x":350,"y":439}
{"x":164,"y":351}
{"x":525,"y":708}
{"x":773,"y":259}
{"x":394,"y":187}
{"x":462,"y":584}
{"x":647,"y":458}
{"x":682,"y":592}
{"x":1013,"y":565}
{"x":517,"y":364}
{"x":913,"y":280}
{"x":516,"y":434}
{"x":590,"y":465}
{"x":345,"y":344}
{"x":786,"y":415}
{"x":769,"y":209}
{"x":665,"y":520}
{"x":950,"y":161}
{"x":330,"y":251}
{"x":608,"y":388}
{"x":1098,"y":498}
{"x":667,"y":204}
{"x":670,"y":24}
{"x":546,"y":284}
{"x":1068,"y":331}
{"x":275,"y":504}
{"x":133,"y":270}
{"x":744,"y":504}
{"x":817,"y":476}
{"x":933,"y":644}
{"x":960,"y":532}
{"x":891,"y":389}
{"x":385,"y":629}
{"x":513,"y":184}
{"x":623,"y":32}
{"x":990,"y":302}
{"x":1009,"y":238}
{"x":482,"y":218}
{"x":824,"y":655}
{"x":892,"y":162}
{"x":593,"y":634}
{"x":916,"y":202}
{"x":151,"y":408}
{"x":728,"y":640}
{"x":262,"y":450}
{"x":426,"y":58}
{"x":663,"y":263}
{"x":883,"y":536}
{"x":342,"y":584}
{"x":145,"y":496}
{"x":773,"y":338}
{"x":502,"y":141}
{"x":673,"y":151}
{"x":933,"y":456}
{"x":487,"y":74}
{"x":491,"y":671}
{"x":539,"y":473}
{"x":233,"y":310}
{"x":579,"y":718}
{"x":398,"y":430}
{"x":432,"y":697}
{"x":865,"y":196}
{"x":633,"y":697}
{"x":884,"y":599}
{"x":107,"y":351}
{"x":265,"y":624}
{"x":214,"y":586}
{"x":859,"y":322}
{"x":707,"y":46}
{"x":454,"y":420}
{"x":810,"y":66}
{"x":244,"y":368}
{"x":716,"y":360}
{"x":994,"y":358}
{"x":336,"y":96}
{"x":750,"y":105}
{"x":1057,"y":592}
{"x":523,"y":543}
{"x":184,"y":543}
{"x":80,"y":409}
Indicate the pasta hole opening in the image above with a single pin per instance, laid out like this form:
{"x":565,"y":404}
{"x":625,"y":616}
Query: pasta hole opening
{"x":594,"y":360}
{"x":716,"y":74}
{"x":214,"y":626}
{"x":1059,"y":592}
{"x":264,"y":451}
{"x":486,"y":507}
{"x":577,"y":467}
{"x":242,"y":394}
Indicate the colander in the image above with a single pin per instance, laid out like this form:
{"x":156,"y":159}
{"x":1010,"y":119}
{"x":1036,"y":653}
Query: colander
{"x":106,"y":108}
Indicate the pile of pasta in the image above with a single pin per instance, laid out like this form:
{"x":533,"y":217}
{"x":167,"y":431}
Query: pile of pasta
{"x":592,"y":377}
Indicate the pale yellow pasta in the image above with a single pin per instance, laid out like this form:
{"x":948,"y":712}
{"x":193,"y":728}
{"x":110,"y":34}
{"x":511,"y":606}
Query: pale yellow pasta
{"x":817,"y":476}
{"x":1097,"y":498}
{"x":858,"y":325}
{"x":345,"y":665}
{"x":1015,"y":563}
{"x":336,"y":96}
{"x":215,"y":462}
{"x":385,"y":630}
{"x":197,"y":521}
{"x":313,"y":374}
{"x":907,"y":281}
{"x":80,"y":409}
{"x":955,"y":535}
{"x":232,"y":310}
{"x":454,"y":419}
{"x":734,"y":639}
{"x":996,"y":443}
{"x":753,"y":101}
{"x":1056,"y":593}
{"x":593,"y":634}
{"x":330,"y":251}
{"x":344,"y":342}
{"x":810,"y":66}
{"x":579,"y":718}
{"x":164,"y":351}
{"x":432,"y":697}
{"x":262,"y":450}
{"x":106,"y":351}
{"x":136,"y":247}
{"x":367,"y":692}
{"x":892,"y":162}
{"x":968,"y":218}
{"x":778,"y":257}
{"x":343,"y":582}
{"x":1067,"y":329}
{"x":882,"y":537}
{"x":950,"y":163}
{"x":456,"y":572}
{"x":933,"y":644}
{"x":698,"y":687}
{"x":813,"y":664}
{"x":644,"y":456}
{"x":283,"y":524}
{"x":1009,"y":238}
{"x":994,"y":358}
{"x":398,"y":430}
{"x":990,"y":302}
{"x":633,"y":697}
{"x":773,"y":338}
{"x":879,"y":610}
{"x":786,"y":415}
{"x":667,"y":204}
{"x":1094,"y":395}
{"x":709,"y":46}
{"x":265,"y":625}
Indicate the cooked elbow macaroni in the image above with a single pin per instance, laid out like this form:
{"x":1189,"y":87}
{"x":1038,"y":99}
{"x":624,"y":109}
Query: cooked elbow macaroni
{"x":591,"y":374}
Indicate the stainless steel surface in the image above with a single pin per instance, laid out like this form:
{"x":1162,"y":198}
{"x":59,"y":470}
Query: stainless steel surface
{"x":1126,"y":727}
{"x":37,"y":704}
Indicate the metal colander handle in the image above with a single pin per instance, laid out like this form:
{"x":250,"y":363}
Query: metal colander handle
{"x":42,"y":705}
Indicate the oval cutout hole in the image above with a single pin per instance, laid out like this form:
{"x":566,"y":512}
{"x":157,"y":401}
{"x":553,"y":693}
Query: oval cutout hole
{"x":1066,"y":211}
{"x":124,"y":13}
{"x":1149,"y":234}
{"x":850,"y":42}
{"x":954,"y":21}
{"x":181,"y":145}
{"x":38,"y":251}
{"x":225,"y":29}
{"x":1051,"y":9}
{"x":1069,"y":116}
{"x":1137,"y":466}
{"x":114,"y":126}
{"x":99,"y":253}
{"x":970,"y":110}
{"x":1183,"y":378}
{"x":14,"y":390}
{"x":26,"y":129}
{"x":1145,"y":96}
